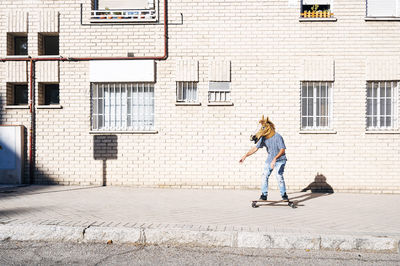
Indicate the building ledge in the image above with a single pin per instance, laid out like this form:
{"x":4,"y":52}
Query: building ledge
{"x":50,"y":56}
{"x":16,"y":106}
{"x":317,"y":19}
{"x":382,"y":132}
{"x":382,"y":18}
{"x":220,"y":104}
{"x":318,"y":132}
{"x":18,"y":56}
{"x":187,"y":104}
{"x":51,"y":106}
{"x":123,"y":132}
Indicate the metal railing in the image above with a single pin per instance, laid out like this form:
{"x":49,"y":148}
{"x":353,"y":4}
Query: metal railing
{"x":146,"y":15}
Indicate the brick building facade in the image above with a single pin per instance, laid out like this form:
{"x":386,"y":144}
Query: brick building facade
{"x":329,"y":84}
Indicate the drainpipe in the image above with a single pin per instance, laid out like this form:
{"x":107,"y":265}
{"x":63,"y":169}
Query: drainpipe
{"x":31,"y":83}
{"x":32,"y":127}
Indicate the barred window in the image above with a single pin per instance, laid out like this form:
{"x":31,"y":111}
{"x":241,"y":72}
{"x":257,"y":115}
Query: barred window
{"x":381,"y":104}
{"x":186,"y":91}
{"x":219,"y":91}
{"x":122,"y":106}
{"x":316,"y":105}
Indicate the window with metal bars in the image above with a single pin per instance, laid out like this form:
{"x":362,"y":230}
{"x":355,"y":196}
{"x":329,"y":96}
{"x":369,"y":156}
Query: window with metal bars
{"x":316,"y":105}
{"x":381,"y":104}
{"x":186,"y":91}
{"x":122,"y":106}
{"x":219,"y":91}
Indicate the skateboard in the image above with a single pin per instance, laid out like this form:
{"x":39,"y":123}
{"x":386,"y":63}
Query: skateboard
{"x":289,"y":203}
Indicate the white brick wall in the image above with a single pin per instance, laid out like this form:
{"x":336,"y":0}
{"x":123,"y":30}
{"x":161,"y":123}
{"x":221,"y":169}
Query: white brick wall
{"x":200,"y":146}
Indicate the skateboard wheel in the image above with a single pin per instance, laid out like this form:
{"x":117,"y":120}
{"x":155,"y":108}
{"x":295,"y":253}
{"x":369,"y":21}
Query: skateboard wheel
{"x":254,"y":205}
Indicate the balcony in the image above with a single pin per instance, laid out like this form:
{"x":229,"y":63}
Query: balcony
{"x":317,"y":14}
{"x":124,"y":15}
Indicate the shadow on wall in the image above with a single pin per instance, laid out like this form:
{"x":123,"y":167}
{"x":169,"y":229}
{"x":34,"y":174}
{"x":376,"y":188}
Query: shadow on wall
{"x":105,"y":147}
{"x":318,"y":188}
{"x":319,"y":185}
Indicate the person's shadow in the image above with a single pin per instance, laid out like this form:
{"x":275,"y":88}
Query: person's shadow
{"x":318,"y":188}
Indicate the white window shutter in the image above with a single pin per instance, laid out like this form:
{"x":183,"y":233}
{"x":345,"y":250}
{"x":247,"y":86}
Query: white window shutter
{"x":317,"y":2}
{"x":219,"y":70}
{"x":383,"y":8}
{"x":187,"y":70}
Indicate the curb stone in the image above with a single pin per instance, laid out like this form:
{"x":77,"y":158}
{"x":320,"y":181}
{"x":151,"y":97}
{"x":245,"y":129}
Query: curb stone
{"x":97,"y":234}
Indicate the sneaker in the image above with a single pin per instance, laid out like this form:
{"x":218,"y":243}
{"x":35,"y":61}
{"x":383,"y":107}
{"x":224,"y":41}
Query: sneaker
{"x":285,"y":197}
{"x":263,"y":197}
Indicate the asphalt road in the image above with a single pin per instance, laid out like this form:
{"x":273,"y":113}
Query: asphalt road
{"x":52,"y":253}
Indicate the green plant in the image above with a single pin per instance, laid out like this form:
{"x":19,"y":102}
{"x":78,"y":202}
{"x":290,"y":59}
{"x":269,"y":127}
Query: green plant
{"x":314,"y":8}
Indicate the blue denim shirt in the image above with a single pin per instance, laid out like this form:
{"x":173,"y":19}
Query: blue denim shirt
{"x":273,"y":145}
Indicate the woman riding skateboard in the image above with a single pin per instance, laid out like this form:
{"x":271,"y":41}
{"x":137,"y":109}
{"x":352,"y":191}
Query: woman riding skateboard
{"x":267,"y":137}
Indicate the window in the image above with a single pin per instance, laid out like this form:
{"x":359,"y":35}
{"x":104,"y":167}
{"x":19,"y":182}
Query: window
{"x":122,"y":106}
{"x":383,"y":8}
{"x":17,"y":94}
{"x":17,"y":44}
{"x":186,"y":91}
{"x":49,"y":94}
{"x":124,"y":10}
{"x":316,"y":9}
{"x":48,"y":44}
{"x":219,"y":91}
{"x":381,"y":104}
{"x":316,"y":105}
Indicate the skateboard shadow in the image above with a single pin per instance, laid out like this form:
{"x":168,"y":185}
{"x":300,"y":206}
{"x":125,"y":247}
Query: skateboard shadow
{"x":319,"y":188}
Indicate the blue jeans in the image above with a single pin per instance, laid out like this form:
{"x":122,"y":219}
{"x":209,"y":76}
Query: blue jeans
{"x":280,"y":168}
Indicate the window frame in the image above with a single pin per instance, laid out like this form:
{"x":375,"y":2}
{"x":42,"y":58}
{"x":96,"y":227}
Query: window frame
{"x":42,"y":39}
{"x":191,"y":89}
{"x":12,"y":44}
{"x":226,"y":92}
{"x":330,"y":14}
{"x":395,"y":17}
{"x":148,"y":119}
{"x":329,"y":101}
{"x":394,"y":106}
{"x":14,"y":92}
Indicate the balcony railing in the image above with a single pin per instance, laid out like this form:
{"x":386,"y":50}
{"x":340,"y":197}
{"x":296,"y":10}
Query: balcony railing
{"x":317,"y":14}
{"x":134,"y":15}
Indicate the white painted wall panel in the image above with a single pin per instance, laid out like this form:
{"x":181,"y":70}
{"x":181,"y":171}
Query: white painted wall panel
{"x":383,"y":8}
{"x":48,"y":21}
{"x":17,"y":21}
{"x":187,"y":70}
{"x":122,"y":71}
{"x":11,"y":154}
{"x":319,"y":69}
{"x":382,"y":68}
{"x":219,"y":70}
{"x":17,"y":71}
{"x":317,"y":2}
{"x":47,"y":71}
{"x":123,"y":4}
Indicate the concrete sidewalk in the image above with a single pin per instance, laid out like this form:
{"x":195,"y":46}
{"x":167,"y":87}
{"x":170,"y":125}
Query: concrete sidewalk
{"x":339,"y":221}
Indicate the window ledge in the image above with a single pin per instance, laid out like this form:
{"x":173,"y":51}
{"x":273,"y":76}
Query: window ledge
{"x":16,"y":106}
{"x":317,"y":19}
{"x":382,"y":18}
{"x":123,"y":132}
{"x":54,"y":106}
{"x":18,"y":56}
{"x":383,"y":132}
{"x":50,"y":56}
{"x":317,"y":132}
{"x":187,"y":104}
{"x":220,"y":104}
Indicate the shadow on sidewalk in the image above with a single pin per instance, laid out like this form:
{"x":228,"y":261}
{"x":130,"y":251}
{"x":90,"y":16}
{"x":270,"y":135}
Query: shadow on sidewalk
{"x":23,"y":190}
{"x":318,"y":188}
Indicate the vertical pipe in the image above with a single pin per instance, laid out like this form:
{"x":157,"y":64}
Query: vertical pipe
{"x":32,"y":126}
